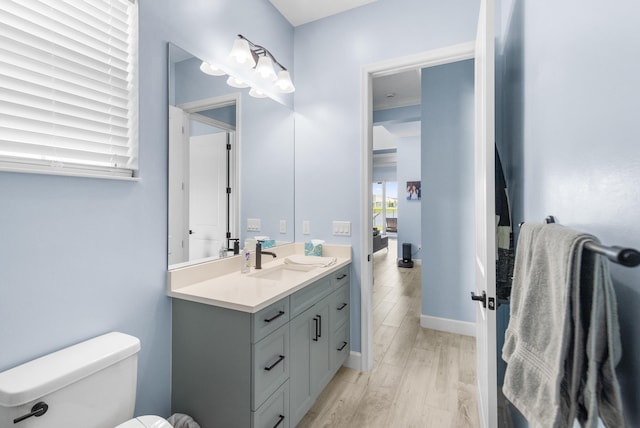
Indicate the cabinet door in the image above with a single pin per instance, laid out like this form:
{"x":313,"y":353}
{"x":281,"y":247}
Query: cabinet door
{"x":309,"y":368}
{"x":320,"y":365}
{"x":300,"y":365}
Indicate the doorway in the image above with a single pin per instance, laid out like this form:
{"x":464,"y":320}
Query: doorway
{"x":427,"y":59}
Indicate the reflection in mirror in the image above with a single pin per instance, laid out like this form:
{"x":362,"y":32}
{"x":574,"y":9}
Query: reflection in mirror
{"x":215,"y":132}
{"x":202,"y":167}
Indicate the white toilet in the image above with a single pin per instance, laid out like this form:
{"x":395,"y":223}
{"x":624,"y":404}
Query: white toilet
{"x":90,"y":385}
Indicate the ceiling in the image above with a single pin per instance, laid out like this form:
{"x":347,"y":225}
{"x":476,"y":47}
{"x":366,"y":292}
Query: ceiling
{"x":397,"y":90}
{"x":300,"y":12}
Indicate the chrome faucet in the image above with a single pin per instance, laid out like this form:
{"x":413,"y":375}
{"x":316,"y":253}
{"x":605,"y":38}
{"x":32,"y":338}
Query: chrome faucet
{"x":259,"y":254}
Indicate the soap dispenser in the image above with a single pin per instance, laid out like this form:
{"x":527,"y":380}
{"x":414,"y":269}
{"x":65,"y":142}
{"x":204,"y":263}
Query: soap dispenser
{"x":222,"y":253}
{"x":245,"y":260}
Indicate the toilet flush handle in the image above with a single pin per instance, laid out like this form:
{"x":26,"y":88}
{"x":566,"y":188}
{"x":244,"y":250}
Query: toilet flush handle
{"x":37,"y":410}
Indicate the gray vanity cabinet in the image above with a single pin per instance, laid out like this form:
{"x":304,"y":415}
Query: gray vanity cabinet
{"x":310,"y":356}
{"x":319,"y":339}
{"x":236,"y":369}
{"x":230,"y":368}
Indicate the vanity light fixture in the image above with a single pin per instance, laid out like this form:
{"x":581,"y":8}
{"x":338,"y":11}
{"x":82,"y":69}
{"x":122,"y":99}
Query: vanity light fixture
{"x":257,"y":93}
{"x":207,"y":68}
{"x":236,"y":83}
{"x":246,"y":53}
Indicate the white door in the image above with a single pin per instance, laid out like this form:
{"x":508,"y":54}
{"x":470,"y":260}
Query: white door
{"x":485,"y":266}
{"x":178,"y":154}
{"x":207,"y":195}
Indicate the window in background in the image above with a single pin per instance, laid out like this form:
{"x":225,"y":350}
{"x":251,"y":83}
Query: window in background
{"x":385,"y":205}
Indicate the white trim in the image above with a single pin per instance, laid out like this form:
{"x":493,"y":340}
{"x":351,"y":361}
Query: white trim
{"x":450,"y":326}
{"x":430,"y":58}
{"x":354,"y":361}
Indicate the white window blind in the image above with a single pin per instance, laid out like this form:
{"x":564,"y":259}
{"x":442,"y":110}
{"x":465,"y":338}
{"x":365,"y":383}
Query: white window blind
{"x":69,"y":87}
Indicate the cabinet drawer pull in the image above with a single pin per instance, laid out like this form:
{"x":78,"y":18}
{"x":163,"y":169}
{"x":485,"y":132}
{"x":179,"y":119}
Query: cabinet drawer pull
{"x":343,"y":346}
{"x":275,"y":364}
{"x":342,"y":306}
{"x":280,"y":419}
{"x":344,"y":275}
{"x":315,"y":321}
{"x":278,"y":315}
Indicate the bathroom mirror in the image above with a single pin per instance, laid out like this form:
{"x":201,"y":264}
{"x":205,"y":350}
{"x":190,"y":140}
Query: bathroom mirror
{"x":231,"y":160}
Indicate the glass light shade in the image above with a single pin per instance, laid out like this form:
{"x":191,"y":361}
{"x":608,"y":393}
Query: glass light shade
{"x":256,"y":93}
{"x":241,"y":53}
{"x":264,"y":69}
{"x":207,"y":68}
{"x":284,"y":83}
{"x":236,"y":83}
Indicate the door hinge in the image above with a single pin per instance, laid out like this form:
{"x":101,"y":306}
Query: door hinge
{"x":228,"y":190}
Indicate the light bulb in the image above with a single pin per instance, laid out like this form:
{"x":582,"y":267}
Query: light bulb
{"x":264,"y":69}
{"x":256,"y":93}
{"x":207,"y":68}
{"x":241,"y":53}
{"x":284,"y":83}
{"x":236,"y":83}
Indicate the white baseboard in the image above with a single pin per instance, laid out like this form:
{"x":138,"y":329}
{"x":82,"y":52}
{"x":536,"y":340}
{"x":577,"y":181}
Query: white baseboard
{"x":354,"y":361}
{"x":448,"y":325}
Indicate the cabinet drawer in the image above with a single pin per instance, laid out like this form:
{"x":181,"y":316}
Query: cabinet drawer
{"x":270,"y":365}
{"x":341,"y":277}
{"x":340,"y":346}
{"x":270,"y":319}
{"x":274,"y":413}
{"x":340,"y":306}
{"x":303,"y":299}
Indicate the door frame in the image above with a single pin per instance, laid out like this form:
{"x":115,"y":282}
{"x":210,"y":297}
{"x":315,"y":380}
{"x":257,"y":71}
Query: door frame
{"x":445,"y":55}
{"x":192,"y":110}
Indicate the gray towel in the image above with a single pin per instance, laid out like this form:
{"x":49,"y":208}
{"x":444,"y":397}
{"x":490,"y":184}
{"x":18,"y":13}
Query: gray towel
{"x":562,"y":343}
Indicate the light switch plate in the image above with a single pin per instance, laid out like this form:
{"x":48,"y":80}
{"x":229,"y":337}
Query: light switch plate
{"x":306,"y":227}
{"x":253,"y":224}
{"x":283,"y":226}
{"x":342,"y":228}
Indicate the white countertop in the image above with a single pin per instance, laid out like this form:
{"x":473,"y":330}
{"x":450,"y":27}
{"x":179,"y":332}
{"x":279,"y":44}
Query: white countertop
{"x":220,"y":283}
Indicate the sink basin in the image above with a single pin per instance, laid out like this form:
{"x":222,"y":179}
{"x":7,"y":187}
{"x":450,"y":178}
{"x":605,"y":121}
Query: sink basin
{"x":285,"y":272}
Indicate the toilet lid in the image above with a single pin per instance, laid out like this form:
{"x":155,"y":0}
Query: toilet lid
{"x":148,"y":421}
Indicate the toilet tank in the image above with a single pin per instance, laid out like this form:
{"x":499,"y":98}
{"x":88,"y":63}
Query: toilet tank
{"x":90,"y":385}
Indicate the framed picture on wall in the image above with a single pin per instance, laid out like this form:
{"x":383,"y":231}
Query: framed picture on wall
{"x":413,"y":191}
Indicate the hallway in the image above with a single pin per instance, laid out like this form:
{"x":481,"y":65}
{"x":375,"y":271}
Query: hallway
{"x":421,"y":377}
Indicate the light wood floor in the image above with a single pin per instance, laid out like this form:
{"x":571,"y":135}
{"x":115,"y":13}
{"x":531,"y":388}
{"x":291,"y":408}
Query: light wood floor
{"x":421,"y":377}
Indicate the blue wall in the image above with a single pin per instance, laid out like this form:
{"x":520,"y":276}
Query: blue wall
{"x":81,"y":257}
{"x":409,"y":212}
{"x":447,"y":191}
{"x":329,"y":55}
{"x":571,"y":89}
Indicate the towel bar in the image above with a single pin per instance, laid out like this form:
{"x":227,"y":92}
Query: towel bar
{"x":629,"y":257}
